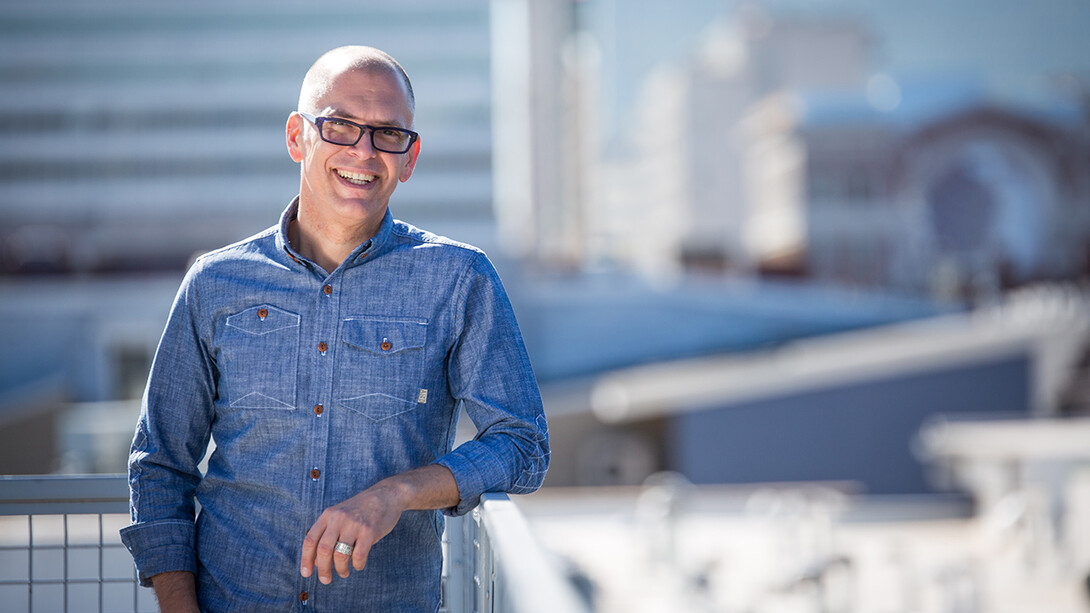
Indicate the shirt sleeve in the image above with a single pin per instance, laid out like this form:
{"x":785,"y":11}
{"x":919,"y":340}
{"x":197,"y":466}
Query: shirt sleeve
{"x":490,"y":373}
{"x":171,"y":437}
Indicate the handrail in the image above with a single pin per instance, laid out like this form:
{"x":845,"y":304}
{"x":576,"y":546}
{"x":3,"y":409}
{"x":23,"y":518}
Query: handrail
{"x":507,"y":571}
{"x":63,"y":494}
{"x":528,"y":580}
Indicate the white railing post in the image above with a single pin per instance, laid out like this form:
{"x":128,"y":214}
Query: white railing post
{"x":496,"y":566}
{"x":526,"y":578}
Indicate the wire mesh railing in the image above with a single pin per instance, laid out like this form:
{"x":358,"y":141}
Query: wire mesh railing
{"x":60,"y":549}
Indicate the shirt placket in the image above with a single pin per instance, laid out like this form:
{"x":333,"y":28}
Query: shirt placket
{"x":318,"y":358}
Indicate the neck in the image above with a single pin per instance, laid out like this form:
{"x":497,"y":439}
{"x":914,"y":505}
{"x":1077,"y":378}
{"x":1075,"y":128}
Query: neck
{"x":327,"y":245}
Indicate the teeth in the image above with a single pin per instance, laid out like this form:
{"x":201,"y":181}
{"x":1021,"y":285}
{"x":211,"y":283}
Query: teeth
{"x":355,"y":177}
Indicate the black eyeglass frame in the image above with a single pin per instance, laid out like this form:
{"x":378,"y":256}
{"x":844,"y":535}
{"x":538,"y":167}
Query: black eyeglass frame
{"x":318,"y":121}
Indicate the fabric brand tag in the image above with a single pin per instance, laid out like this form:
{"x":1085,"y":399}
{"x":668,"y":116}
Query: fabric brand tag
{"x":422,"y":397}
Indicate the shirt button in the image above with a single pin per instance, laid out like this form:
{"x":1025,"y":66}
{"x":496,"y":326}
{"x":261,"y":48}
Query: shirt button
{"x":303,"y":596}
{"x":262,"y":313}
{"x":386,"y":345}
{"x":315,"y":473}
{"x":327,"y":290}
{"x":322,"y":347}
{"x":318,"y":409}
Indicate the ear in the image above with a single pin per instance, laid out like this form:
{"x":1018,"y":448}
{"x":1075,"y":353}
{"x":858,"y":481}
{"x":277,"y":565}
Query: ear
{"x":294,"y":135}
{"x":410,"y":162}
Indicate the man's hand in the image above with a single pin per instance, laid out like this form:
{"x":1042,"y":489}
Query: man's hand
{"x":359,"y":521}
{"x":362,"y":520}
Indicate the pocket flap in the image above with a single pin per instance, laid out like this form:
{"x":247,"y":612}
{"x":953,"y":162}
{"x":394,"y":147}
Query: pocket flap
{"x":263,"y":319}
{"x":384,"y":336}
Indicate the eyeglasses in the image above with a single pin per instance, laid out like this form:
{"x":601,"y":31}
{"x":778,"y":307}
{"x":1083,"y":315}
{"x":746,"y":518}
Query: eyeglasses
{"x":348,"y":133}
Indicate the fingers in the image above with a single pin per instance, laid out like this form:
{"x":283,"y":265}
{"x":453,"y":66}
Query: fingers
{"x":360,"y":521}
{"x":340,"y":564}
{"x":324,"y":559}
{"x":320,"y":551}
{"x":359,"y":557}
{"x":310,"y":547}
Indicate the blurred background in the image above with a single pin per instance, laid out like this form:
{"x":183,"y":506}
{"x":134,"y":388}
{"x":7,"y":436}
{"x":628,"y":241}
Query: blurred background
{"x":804,"y":282}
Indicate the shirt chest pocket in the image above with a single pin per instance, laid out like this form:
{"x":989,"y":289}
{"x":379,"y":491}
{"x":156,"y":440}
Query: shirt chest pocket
{"x":259,"y":354}
{"x":381,"y":366}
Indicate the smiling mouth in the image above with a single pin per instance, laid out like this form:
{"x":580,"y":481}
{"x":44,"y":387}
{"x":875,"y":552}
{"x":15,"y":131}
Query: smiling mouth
{"x":355,"y":178}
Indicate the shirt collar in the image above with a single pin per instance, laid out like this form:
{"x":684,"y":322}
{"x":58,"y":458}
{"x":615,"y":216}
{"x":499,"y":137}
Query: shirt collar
{"x":367,"y":250}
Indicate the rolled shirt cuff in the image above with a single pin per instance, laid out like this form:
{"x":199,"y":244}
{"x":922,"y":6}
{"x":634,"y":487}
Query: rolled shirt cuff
{"x":161,"y":546}
{"x":469,"y":463}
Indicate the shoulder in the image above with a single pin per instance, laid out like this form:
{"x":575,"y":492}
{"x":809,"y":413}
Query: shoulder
{"x":261,"y":243}
{"x":413,"y":237}
{"x":465,"y":265}
{"x":231,"y":260}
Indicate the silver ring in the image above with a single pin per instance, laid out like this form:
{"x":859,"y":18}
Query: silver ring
{"x":344,"y":548}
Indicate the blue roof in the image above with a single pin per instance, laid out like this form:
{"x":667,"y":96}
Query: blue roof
{"x":585,"y":325}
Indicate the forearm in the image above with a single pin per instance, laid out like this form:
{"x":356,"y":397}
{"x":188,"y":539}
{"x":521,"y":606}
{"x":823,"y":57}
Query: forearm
{"x":176,"y":592}
{"x":425,"y":488}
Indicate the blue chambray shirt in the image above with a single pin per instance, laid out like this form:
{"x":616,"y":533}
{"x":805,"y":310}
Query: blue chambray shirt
{"x":315,"y":386}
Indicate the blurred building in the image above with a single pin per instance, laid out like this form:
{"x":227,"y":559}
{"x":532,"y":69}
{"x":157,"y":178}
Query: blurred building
{"x":691,"y":157}
{"x":836,"y":407}
{"x":544,"y":73}
{"x":941,"y":193}
{"x":777,"y":145}
{"x":136,"y":134}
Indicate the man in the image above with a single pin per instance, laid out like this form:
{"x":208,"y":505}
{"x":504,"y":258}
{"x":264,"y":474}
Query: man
{"x":327,"y":358}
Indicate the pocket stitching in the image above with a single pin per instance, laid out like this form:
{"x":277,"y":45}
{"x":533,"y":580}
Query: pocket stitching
{"x":240,"y":321}
{"x":238,"y":384}
{"x":364,"y":333}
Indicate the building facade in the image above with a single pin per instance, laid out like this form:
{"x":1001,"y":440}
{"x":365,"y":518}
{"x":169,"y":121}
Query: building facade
{"x":960,"y":204}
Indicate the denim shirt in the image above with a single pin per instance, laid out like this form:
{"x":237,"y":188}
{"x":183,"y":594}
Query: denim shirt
{"x":313,"y":387}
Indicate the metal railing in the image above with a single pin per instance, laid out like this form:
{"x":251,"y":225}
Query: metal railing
{"x":60,"y":551}
{"x":494,"y":565}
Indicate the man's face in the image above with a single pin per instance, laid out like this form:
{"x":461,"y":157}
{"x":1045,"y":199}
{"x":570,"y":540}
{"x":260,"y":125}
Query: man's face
{"x":352,"y":185}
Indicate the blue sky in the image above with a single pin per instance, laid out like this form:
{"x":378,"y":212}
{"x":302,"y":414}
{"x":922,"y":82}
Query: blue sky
{"x":1016,"y":48}
{"x":1013,"y":44}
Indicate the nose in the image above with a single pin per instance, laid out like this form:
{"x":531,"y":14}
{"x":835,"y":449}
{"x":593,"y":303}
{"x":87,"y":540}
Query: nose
{"x":363,"y":146}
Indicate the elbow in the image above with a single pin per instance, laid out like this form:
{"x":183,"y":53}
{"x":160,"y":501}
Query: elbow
{"x":532,"y":475}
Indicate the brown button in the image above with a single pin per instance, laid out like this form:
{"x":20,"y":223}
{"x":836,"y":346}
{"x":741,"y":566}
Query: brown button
{"x":315,"y":473}
{"x":327,"y":290}
{"x":318,"y":409}
{"x":263,"y":313}
{"x":386,"y":346}
{"x":322,"y":347}
{"x":303,"y":596}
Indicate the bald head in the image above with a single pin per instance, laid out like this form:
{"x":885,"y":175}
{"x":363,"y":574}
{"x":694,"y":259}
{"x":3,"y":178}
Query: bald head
{"x":319,"y":79}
